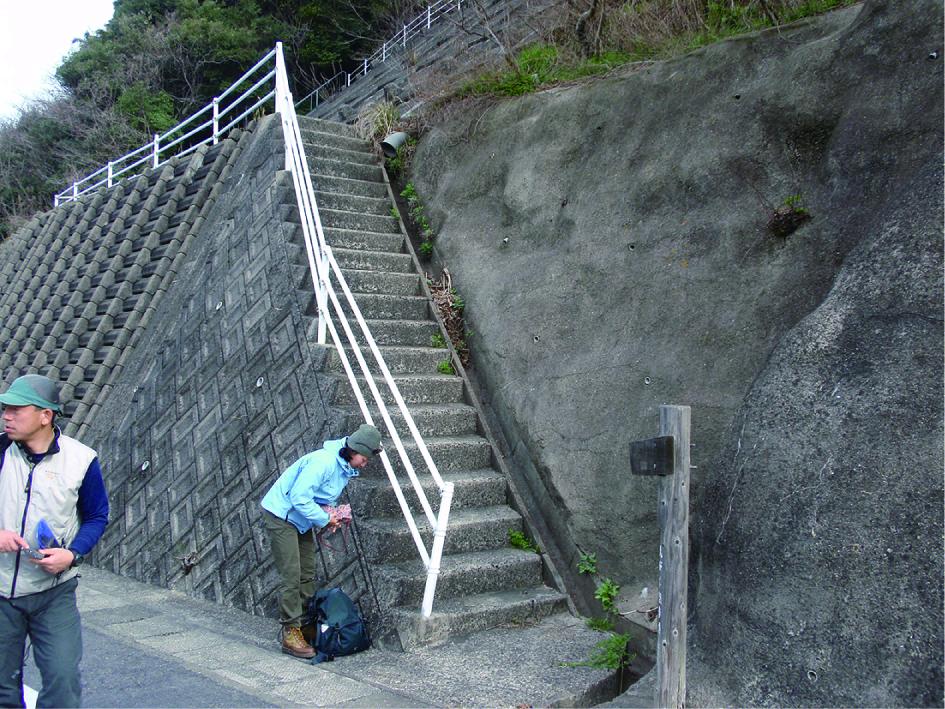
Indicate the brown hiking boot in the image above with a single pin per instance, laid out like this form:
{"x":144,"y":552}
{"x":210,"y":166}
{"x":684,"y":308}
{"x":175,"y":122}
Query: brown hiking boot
{"x":294,"y":644}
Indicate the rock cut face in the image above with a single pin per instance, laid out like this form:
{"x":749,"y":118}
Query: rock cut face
{"x":611,"y":243}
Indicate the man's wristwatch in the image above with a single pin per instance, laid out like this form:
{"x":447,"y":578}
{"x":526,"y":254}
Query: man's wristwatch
{"x":77,"y":560}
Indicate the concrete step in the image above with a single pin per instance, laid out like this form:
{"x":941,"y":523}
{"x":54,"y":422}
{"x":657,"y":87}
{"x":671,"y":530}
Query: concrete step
{"x":456,"y":617}
{"x":392,"y":307}
{"x":353,"y":203}
{"x":381,"y":282}
{"x":449,"y":453}
{"x":344,"y":219}
{"x":357,"y":259}
{"x":399,"y":360}
{"x":374,"y":260}
{"x":316,"y":153}
{"x":405,"y":333}
{"x":473,"y":573}
{"x":382,"y":307}
{"x":334,"y":140}
{"x":367,"y":240}
{"x":360,"y":282}
{"x":307,"y":123}
{"x":472,"y":488}
{"x":345,"y":185}
{"x":468,"y":530}
{"x":324,"y":167}
{"x":415,"y":389}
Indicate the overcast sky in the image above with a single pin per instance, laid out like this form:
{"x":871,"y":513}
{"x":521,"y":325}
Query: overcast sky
{"x":34,"y":37}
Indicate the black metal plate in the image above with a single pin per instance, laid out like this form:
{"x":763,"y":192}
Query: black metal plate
{"x":654,"y":456}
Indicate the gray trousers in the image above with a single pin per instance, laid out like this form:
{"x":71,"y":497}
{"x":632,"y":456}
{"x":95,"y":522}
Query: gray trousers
{"x":294,"y":556}
{"x":51,"y":620}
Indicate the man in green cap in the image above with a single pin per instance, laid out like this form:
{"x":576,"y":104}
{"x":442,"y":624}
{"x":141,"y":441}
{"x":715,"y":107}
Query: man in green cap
{"x":293,"y":507}
{"x":53,"y":510}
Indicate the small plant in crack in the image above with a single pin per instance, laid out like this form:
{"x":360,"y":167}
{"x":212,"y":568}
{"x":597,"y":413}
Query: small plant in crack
{"x":601,"y":625}
{"x":607,"y":592}
{"x":520,"y":540}
{"x":445,"y":367}
{"x":613,"y":653}
{"x":437,"y":340}
{"x":588,"y":563}
{"x":418,"y":219}
{"x":789,"y":216}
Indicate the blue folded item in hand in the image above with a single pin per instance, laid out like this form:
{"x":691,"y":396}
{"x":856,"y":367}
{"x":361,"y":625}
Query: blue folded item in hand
{"x":45,"y":536}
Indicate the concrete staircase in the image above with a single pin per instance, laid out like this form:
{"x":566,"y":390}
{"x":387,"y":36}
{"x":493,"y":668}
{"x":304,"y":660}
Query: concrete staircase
{"x":484,"y":582}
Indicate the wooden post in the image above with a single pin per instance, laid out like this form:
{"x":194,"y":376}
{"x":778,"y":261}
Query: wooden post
{"x":674,"y":562}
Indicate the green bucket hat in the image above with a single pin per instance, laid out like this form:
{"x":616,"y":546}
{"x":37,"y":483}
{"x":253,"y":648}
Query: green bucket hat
{"x":366,"y":440}
{"x":32,"y":389}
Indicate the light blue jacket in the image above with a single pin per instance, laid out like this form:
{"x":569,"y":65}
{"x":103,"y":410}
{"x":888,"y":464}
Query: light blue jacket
{"x":315,"y":479}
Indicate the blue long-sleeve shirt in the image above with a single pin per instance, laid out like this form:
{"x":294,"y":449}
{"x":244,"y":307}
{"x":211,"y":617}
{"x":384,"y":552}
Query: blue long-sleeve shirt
{"x":315,"y":479}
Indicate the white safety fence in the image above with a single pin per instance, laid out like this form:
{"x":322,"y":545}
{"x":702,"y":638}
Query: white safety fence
{"x":326,"y":275}
{"x":219,"y":116}
{"x":409,"y":30}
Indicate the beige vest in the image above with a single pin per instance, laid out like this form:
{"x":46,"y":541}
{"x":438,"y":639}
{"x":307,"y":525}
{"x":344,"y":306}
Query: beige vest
{"x":53,"y":496}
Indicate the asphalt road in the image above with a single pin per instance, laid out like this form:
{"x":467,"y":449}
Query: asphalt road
{"x":122,"y":674}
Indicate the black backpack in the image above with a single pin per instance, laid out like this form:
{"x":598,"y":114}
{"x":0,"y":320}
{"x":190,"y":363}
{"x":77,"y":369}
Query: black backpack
{"x":339,"y":628}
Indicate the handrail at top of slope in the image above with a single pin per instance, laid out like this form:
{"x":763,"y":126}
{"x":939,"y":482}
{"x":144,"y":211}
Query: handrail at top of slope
{"x":408,"y":30}
{"x":159,"y":151}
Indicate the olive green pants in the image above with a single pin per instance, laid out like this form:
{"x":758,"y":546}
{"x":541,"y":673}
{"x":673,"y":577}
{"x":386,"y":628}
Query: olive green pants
{"x":294,"y":556}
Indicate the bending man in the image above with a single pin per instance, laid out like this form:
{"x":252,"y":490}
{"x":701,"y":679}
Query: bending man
{"x":293,"y":507}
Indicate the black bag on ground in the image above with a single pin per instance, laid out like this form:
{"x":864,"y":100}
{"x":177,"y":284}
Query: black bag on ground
{"x":339,"y":628}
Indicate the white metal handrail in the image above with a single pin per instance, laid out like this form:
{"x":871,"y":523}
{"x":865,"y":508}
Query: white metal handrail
{"x":325,"y":272}
{"x":158,"y":151}
{"x":343,"y":79}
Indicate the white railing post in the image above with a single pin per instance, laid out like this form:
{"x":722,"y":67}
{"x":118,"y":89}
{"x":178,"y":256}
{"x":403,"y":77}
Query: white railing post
{"x":405,"y":36}
{"x":216,"y":119}
{"x":157,"y":148}
{"x":55,"y":201}
{"x":428,"y":17}
{"x":365,"y":66}
{"x":75,"y":190}
{"x":109,"y":180}
{"x":439,"y":537}
{"x":280,"y":76}
{"x":347,"y":79}
{"x":384,"y":52}
{"x":283,"y":99}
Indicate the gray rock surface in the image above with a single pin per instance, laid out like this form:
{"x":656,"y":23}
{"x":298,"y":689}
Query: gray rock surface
{"x":610,"y":241}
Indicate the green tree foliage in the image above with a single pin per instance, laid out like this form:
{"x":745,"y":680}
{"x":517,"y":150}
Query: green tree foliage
{"x":156,"y":62}
{"x":146,"y":110}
